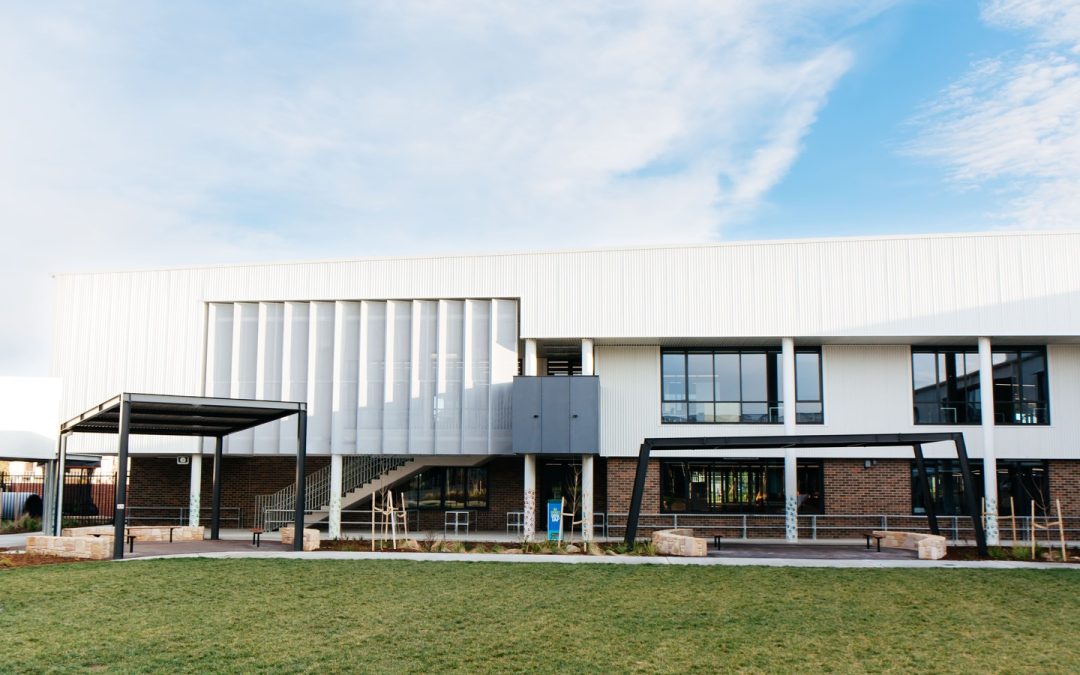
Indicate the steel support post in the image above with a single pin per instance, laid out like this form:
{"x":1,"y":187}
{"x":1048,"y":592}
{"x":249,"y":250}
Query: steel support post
{"x":969,"y":494}
{"x":301,"y":491}
{"x":61,"y":470}
{"x":120,"y":489}
{"x":924,"y":489}
{"x":215,"y":498}
{"x":638,"y":494}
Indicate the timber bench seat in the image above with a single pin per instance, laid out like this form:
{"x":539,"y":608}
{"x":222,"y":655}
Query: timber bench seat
{"x":256,"y":536}
{"x":929,"y":546}
{"x":877,"y":536}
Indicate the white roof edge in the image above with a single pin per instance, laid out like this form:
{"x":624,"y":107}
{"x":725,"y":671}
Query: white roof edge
{"x":598,"y":249}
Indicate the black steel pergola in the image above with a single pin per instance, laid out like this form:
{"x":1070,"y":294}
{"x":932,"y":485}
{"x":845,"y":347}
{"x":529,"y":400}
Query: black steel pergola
{"x":915,"y":441}
{"x":198,"y":416}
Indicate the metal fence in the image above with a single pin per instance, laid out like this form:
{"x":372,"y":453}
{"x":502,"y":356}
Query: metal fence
{"x":88,"y":499}
{"x":273,"y":519}
{"x":957,"y":529}
{"x":178,"y":515}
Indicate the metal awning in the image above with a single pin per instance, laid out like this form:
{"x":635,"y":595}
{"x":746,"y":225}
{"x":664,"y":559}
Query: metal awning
{"x":167,"y":415}
{"x":162,"y":415}
{"x":914,"y":441}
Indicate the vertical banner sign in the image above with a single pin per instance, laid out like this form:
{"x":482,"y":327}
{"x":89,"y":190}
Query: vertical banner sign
{"x":554,"y":518}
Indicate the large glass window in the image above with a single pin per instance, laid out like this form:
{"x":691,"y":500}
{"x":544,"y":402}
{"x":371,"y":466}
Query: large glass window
{"x":448,"y":488}
{"x":1021,"y":387}
{"x":736,"y":487}
{"x":946,"y":386}
{"x":737,"y":386}
{"x":1019,"y":483}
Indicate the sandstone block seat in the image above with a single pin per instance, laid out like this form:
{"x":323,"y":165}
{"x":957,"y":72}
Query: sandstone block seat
{"x":679,"y":542}
{"x":157,"y":533}
{"x":311,"y":537}
{"x":929,"y":546}
{"x":83,"y":548}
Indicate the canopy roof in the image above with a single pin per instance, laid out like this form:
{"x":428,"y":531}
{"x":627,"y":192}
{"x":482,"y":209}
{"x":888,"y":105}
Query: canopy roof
{"x":164,"y":415}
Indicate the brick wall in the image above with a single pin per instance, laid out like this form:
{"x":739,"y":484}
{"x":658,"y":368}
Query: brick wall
{"x":620,"y":485}
{"x":1065,"y":485}
{"x":160,"y":481}
{"x":506,"y":489}
{"x":852,"y":488}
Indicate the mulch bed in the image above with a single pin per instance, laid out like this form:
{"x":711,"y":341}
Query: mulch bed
{"x":10,"y":559}
{"x":1007,"y":553}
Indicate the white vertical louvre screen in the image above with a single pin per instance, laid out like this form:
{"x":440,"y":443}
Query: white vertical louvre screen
{"x":395,"y":377}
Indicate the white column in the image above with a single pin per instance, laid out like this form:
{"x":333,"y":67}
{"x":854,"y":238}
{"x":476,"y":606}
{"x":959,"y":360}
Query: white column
{"x":195,"y":490}
{"x":529,"y":362}
{"x":587,"y":363}
{"x":587,"y":462}
{"x":530,"y":497}
{"x":986,"y":395}
{"x":791,"y":483}
{"x":335,"y":497}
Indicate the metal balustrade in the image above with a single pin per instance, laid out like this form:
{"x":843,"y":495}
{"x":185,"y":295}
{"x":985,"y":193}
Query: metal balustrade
{"x":813,"y":527}
{"x":356,"y":472}
{"x":179,"y":514}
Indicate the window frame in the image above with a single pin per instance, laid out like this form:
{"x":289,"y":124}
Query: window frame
{"x":1017,"y":365}
{"x":938,"y":352}
{"x":412,"y":492}
{"x":733,"y":466}
{"x":774,"y":353}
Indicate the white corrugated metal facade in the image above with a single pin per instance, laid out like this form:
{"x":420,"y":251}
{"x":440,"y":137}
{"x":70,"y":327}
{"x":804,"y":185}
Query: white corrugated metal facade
{"x":416,"y":354}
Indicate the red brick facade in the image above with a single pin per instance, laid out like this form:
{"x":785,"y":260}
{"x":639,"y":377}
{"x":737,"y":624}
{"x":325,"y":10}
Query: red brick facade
{"x":853,"y":488}
{"x":1065,"y":485}
{"x":161,"y":482}
{"x":850,"y":488}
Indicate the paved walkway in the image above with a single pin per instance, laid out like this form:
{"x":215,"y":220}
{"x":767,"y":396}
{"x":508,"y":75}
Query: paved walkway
{"x":236,"y":550}
{"x":15,"y":540}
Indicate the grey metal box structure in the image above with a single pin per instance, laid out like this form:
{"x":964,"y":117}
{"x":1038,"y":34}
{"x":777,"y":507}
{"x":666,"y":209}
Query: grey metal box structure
{"x":556,"y":415}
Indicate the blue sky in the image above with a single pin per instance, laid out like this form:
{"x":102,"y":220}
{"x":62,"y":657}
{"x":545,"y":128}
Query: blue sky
{"x":156,"y":133}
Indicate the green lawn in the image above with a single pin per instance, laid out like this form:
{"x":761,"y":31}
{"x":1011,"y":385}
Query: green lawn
{"x":285,"y":615}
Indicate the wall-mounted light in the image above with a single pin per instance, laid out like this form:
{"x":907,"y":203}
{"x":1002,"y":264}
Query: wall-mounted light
{"x":867,"y":463}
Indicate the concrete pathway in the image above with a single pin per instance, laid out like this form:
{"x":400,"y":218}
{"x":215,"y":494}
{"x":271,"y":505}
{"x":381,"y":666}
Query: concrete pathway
{"x":863,"y":563}
{"x":15,"y":540}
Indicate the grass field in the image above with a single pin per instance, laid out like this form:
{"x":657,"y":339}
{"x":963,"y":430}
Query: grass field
{"x":285,"y":615}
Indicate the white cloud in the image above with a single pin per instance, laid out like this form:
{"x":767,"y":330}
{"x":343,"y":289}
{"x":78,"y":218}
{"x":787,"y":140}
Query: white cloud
{"x":1011,"y":125}
{"x":149,"y":134}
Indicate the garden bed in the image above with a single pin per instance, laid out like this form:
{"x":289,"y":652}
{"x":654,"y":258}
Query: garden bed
{"x":10,"y":559}
{"x":443,"y":546}
{"x":1014,"y":554}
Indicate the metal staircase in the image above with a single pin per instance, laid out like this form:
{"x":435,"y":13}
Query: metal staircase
{"x":274,"y":511}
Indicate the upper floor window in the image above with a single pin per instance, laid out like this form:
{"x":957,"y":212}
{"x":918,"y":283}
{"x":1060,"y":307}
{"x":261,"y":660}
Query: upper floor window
{"x":737,"y":386}
{"x":947,"y":388}
{"x":1021,"y":387}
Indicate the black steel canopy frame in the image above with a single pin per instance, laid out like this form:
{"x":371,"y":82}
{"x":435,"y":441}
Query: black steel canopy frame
{"x":199,"y":416}
{"x":915,"y":441}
